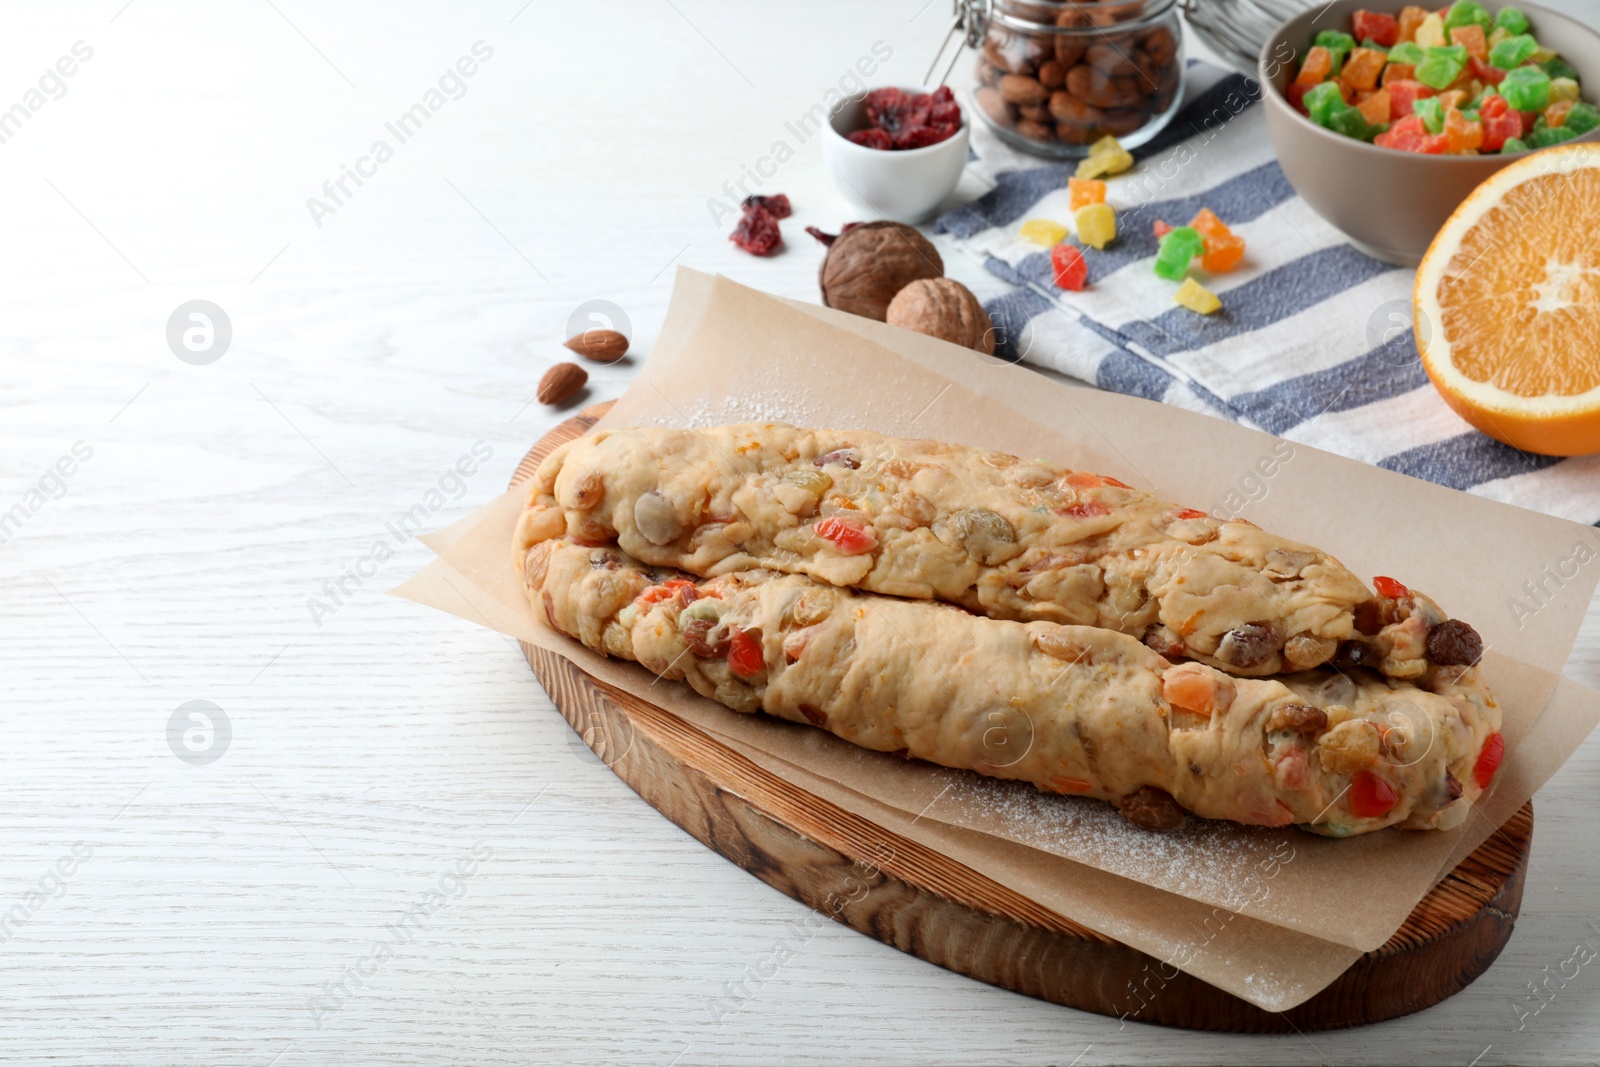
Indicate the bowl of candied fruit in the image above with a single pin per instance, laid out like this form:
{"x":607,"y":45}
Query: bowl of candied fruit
{"x":1386,"y":115}
{"x":896,"y":153}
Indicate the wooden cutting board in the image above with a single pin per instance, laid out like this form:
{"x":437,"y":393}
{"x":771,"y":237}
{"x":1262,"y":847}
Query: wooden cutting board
{"x":924,"y":903}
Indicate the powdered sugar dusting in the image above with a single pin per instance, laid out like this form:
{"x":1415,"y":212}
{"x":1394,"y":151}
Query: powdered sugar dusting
{"x":773,"y":405}
{"x":1219,"y":863}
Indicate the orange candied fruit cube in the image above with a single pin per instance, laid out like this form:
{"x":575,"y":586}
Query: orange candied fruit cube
{"x":1452,"y":99}
{"x":1317,"y":66}
{"x":1375,"y":108}
{"x":1084,"y":191}
{"x":1411,"y":17}
{"x":1398,"y":72}
{"x":1460,"y":133}
{"x":1556,"y":114}
{"x":1345,"y":88}
{"x":1223,"y":253}
{"x":1206,"y":221}
{"x":1472,"y":39}
{"x":1361,"y":70}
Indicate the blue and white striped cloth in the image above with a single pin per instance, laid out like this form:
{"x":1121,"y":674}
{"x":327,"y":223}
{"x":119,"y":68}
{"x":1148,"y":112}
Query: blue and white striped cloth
{"x":1314,"y":341}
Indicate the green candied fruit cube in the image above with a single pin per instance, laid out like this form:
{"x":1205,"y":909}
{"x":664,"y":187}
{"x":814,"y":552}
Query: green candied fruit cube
{"x":1511,"y":20}
{"x":1352,"y":123}
{"x":1582,"y":118}
{"x":1407,"y":52}
{"x":1374,"y":46}
{"x":1549,"y":135}
{"x":1431,"y":112}
{"x":1471,"y":114}
{"x":1559,"y":68}
{"x":1513,"y":144}
{"x":1467,"y":13}
{"x":1442,"y":66}
{"x":1513,"y":52}
{"x":1526,"y":89}
{"x":1335,"y":40}
{"x":1176,"y":250}
{"x":1323,"y":101}
{"x":1339,"y":45}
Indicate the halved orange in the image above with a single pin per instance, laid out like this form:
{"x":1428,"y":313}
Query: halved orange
{"x":1507,"y":304}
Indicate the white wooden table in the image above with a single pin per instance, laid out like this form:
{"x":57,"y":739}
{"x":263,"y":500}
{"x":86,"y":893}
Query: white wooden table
{"x":402,"y":854}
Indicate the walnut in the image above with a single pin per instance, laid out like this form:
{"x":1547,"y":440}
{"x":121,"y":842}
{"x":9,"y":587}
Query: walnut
{"x":944,"y":309}
{"x":868,"y":264}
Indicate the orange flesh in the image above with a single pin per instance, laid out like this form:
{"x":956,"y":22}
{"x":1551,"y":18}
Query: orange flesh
{"x":1521,"y":297}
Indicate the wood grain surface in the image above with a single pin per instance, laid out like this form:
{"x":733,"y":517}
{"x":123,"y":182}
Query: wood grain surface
{"x":931,"y":906}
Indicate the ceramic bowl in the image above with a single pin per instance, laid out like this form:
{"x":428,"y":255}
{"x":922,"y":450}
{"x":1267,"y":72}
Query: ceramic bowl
{"x":904,"y":185}
{"x":1390,"y":203}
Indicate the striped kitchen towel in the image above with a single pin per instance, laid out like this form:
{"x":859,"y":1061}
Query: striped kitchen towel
{"x":1314,"y":341}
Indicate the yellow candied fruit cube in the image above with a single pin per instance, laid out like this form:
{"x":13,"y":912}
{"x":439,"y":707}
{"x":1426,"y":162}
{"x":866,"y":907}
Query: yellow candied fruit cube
{"x":1106,"y":156}
{"x":1431,"y":33}
{"x":1500,"y":34}
{"x":1563,"y":89}
{"x":1097,"y":224}
{"x":1196,"y":297}
{"x":1042,"y":232}
{"x":1542,"y":54}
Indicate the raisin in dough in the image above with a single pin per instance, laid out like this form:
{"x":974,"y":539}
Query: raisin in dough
{"x":1071,"y":709}
{"x":1006,"y":538}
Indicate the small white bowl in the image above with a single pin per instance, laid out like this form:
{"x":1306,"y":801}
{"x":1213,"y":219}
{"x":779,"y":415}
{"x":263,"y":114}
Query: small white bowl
{"x":903,"y":185}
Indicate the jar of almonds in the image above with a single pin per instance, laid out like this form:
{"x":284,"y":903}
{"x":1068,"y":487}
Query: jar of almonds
{"x":1053,"y":78}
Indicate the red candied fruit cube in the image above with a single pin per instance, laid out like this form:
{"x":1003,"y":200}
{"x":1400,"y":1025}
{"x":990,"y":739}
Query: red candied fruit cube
{"x":1296,"y":92}
{"x":1390,"y":587}
{"x":1489,"y":760}
{"x":1161,"y":229}
{"x":873,"y":138}
{"x":1068,"y":266}
{"x":1528,"y":119}
{"x":1500,"y":123}
{"x":1371,"y":797}
{"x":1485,"y":73}
{"x":1384,"y":29}
{"x":1410,"y":135}
{"x":1402,"y":94}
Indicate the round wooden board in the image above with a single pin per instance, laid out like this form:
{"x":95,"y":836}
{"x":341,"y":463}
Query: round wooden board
{"x":924,"y":903}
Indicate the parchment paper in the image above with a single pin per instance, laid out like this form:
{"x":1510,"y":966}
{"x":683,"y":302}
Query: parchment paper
{"x":727,"y":353}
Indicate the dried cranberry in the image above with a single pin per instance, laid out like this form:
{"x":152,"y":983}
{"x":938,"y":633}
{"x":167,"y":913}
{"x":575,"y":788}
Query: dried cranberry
{"x":828,"y":238}
{"x":776,"y":205}
{"x":1454,"y":644}
{"x":873,"y":138}
{"x":921,"y":136}
{"x":902,"y":121}
{"x":757,"y":232}
{"x":885,"y":107}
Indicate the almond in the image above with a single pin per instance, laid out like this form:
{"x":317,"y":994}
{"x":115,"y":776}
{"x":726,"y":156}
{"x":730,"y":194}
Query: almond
{"x":560,"y":382}
{"x":600,"y":346}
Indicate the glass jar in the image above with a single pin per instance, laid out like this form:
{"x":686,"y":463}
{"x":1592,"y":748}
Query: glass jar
{"x":1053,"y":78}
